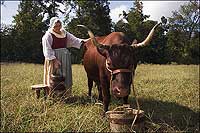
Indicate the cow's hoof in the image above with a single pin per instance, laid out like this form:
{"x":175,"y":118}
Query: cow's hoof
{"x":99,"y":103}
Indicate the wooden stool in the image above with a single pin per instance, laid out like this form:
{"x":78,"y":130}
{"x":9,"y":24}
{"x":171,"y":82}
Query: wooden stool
{"x":39,"y":87}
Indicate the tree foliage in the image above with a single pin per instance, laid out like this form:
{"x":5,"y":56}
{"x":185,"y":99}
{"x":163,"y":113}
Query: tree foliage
{"x":27,"y":33}
{"x":177,"y":41}
{"x":7,"y":47}
{"x":138,"y":28}
{"x":136,"y":18}
{"x":51,"y":8}
{"x":86,"y":14}
{"x":156,"y":52}
{"x":183,"y":35}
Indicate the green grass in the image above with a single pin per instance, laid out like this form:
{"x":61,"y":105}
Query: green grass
{"x":169,"y":95}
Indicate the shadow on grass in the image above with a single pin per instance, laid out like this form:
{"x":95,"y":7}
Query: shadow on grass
{"x":83,"y":99}
{"x":169,"y":115}
{"x":163,"y":116}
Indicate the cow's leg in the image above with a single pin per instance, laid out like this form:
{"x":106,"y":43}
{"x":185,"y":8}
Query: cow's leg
{"x":105,"y":93}
{"x":105,"y":89}
{"x":90,"y":85}
{"x":106,"y":98}
{"x":100,"y":92}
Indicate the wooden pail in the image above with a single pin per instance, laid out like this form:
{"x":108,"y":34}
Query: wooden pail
{"x":57,"y":87}
{"x":121,"y":119}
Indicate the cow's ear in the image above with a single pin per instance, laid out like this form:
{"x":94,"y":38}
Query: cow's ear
{"x":103,"y":50}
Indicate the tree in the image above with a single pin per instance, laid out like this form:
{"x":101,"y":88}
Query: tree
{"x":183,"y":32}
{"x":136,"y":18}
{"x":51,"y":8}
{"x":22,"y":41}
{"x":29,"y":27}
{"x":156,"y":52}
{"x":93,"y":14}
{"x":186,"y":19}
{"x":123,"y":26}
{"x":7,"y":42}
{"x":86,"y":13}
{"x":138,"y":28}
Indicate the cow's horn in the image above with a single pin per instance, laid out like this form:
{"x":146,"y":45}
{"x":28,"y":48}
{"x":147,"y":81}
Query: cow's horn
{"x":148,"y":39}
{"x":94,"y":41}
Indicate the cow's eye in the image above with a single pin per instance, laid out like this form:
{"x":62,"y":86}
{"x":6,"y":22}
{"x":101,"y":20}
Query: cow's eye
{"x":108,"y":63}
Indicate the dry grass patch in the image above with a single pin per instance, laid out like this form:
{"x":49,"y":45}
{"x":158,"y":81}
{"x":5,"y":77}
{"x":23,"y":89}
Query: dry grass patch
{"x":169,"y":95}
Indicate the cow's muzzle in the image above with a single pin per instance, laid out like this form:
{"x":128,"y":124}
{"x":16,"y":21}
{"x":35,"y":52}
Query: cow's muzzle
{"x":119,"y":92}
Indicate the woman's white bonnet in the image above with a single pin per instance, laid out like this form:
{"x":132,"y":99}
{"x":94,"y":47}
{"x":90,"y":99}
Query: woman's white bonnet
{"x":53,"y":20}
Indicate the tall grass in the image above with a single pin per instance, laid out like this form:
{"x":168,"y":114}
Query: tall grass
{"x":169,"y":95}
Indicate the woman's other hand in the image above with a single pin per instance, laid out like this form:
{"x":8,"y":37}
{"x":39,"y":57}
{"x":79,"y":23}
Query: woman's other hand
{"x":85,"y":40}
{"x":56,"y":63}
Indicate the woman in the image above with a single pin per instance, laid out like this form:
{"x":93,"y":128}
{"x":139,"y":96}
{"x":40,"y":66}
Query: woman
{"x":57,"y":57}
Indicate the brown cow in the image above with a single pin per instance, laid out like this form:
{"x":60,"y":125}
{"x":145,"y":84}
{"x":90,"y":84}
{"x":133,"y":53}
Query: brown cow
{"x":110,"y":61}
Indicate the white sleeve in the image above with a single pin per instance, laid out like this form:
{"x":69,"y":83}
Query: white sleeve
{"x":73,"y":41}
{"x":48,"y":52}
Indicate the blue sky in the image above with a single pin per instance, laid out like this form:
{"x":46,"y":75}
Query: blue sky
{"x":156,"y":9}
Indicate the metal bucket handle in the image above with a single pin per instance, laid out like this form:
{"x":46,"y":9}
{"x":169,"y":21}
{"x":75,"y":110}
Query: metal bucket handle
{"x":121,"y":107}
{"x":137,"y":103}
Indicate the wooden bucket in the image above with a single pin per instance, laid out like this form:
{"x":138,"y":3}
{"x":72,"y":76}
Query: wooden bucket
{"x":121,"y":119}
{"x":57,"y":87}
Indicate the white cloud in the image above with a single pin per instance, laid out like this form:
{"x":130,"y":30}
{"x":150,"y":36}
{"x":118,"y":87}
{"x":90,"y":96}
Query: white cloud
{"x":114,"y":13}
{"x":157,"y":9}
{"x":8,"y":10}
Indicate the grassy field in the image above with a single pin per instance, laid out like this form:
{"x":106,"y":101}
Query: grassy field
{"x":169,"y":95}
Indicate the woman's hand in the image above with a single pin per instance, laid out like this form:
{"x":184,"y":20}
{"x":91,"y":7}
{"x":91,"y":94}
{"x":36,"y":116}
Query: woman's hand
{"x":85,"y":40}
{"x":56,"y":63}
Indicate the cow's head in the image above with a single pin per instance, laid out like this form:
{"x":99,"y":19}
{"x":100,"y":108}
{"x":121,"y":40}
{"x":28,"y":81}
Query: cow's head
{"x":120,"y":62}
